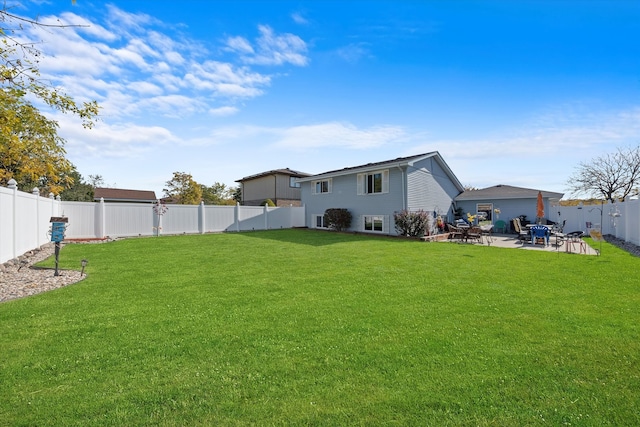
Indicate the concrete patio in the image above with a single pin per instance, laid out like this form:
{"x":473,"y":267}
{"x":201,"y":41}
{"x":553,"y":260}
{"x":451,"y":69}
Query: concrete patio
{"x":510,"y":241}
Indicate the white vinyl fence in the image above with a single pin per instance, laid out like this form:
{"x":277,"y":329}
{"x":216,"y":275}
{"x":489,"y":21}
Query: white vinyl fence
{"x":618,"y":219}
{"x":25,"y":220}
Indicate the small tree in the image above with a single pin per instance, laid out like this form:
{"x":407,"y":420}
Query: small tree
{"x":183,"y":189}
{"x":412,"y":224}
{"x":337,"y":219}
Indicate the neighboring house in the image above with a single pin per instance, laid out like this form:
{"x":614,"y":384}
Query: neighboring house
{"x":279,"y":185}
{"x":121,"y":195}
{"x":374,"y":192}
{"x":510,"y":201}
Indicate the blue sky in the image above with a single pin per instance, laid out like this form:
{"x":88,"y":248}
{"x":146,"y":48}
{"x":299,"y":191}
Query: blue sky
{"x":512,"y":93}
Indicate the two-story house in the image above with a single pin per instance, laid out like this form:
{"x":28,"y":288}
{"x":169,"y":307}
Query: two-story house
{"x":374,"y":192}
{"x":279,"y":185}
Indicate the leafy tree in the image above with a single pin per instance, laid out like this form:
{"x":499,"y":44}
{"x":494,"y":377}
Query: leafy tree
{"x":183,"y":189}
{"x":31,"y":152}
{"x":612,"y":176}
{"x":81,"y":190}
{"x":237,"y":194}
{"x":19,"y":69}
{"x":217,"y":194}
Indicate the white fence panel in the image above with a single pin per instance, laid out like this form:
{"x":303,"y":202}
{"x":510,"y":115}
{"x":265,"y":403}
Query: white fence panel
{"x":631,"y":220}
{"x":220,"y":218}
{"x":6,"y":224}
{"x":128,"y":219}
{"x":285,"y":217}
{"x":84,"y":220}
{"x":24,"y":222}
{"x":180,"y":219}
{"x":251,"y":218}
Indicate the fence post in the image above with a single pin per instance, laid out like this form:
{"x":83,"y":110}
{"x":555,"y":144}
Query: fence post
{"x":202,"y":223}
{"x":36,"y":192}
{"x":101,"y":219}
{"x":13,"y":185}
{"x":236,"y":216}
{"x":266,"y":217}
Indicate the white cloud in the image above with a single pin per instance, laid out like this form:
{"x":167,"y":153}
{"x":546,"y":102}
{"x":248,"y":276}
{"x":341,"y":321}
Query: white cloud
{"x":270,"y":49}
{"x":354,"y":52}
{"x":337,"y":134}
{"x":240,"y":45}
{"x":223,"y":111}
{"x":105,"y":140}
{"x":299,"y":19}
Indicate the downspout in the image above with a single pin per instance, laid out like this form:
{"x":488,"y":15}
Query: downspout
{"x":404,"y":196}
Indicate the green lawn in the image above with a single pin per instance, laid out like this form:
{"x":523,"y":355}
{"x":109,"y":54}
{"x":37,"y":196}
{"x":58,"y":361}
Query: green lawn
{"x":298,"y":327}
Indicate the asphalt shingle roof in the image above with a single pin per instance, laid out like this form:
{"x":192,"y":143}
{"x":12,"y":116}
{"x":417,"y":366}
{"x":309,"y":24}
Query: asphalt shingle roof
{"x":502,"y":191}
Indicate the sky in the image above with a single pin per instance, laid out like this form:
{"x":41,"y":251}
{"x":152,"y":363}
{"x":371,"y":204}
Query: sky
{"x":516,"y":93}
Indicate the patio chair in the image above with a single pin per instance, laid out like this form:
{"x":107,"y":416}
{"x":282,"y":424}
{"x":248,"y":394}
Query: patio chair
{"x":475,"y":233}
{"x":540,"y":232}
{"x":500,"y":226}
{"x":523,"y":235}
{"x":574,"y":235}
{"x":574,"y":241}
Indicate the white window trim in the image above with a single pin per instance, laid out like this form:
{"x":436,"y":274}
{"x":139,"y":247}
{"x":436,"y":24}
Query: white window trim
{"x":314,"y":219}
{"x":385,"y":224}
{"x":314,"y":184}
{"x":362,"y":182}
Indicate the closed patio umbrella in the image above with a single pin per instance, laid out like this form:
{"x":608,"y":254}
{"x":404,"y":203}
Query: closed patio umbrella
{"x":540,"y":208}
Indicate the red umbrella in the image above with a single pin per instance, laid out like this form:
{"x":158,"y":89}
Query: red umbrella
{"x":540,"y":207}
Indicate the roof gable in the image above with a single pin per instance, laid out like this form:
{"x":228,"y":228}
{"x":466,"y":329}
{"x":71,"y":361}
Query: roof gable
{"x":502,"y":191}
{"x":120,"y":194}
{"x":400,"y":161}
{"x":285,"y":171}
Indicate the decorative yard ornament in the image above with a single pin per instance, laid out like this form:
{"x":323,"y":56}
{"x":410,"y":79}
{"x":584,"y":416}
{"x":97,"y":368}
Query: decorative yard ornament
{"x":159,"y":208}
{"x":58,"y":226}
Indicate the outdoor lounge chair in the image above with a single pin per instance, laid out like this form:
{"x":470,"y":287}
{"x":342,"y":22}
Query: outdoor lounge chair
{"x":523,"y":235}
{"x":454,"y":232}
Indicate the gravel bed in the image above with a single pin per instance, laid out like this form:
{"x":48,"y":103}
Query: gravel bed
{"x":18,"y":277}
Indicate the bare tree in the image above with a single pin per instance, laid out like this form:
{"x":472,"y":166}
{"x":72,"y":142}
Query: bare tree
{"x":612,"y":176}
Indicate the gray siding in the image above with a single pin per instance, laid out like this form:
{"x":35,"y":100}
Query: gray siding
{"x":429,"y":188}
{"x":421,"y":185}
{"x":344,"y":194}
{"x":274,"y":187}
{"x":284,"y":190}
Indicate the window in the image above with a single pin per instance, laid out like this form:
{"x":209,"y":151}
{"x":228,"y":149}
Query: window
{"x":373,"y":183}
{"x":320,"y":187}
{"x":374,"y":223}
{"x":293,"y":183}
{"x":318,"y":221}
{"x":484,"y":211}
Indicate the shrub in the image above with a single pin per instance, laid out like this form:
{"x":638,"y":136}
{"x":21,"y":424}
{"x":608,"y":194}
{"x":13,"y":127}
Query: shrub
{"x":413,"y":224}
{"x":268,"y":202}
{"x":337,"y":219}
